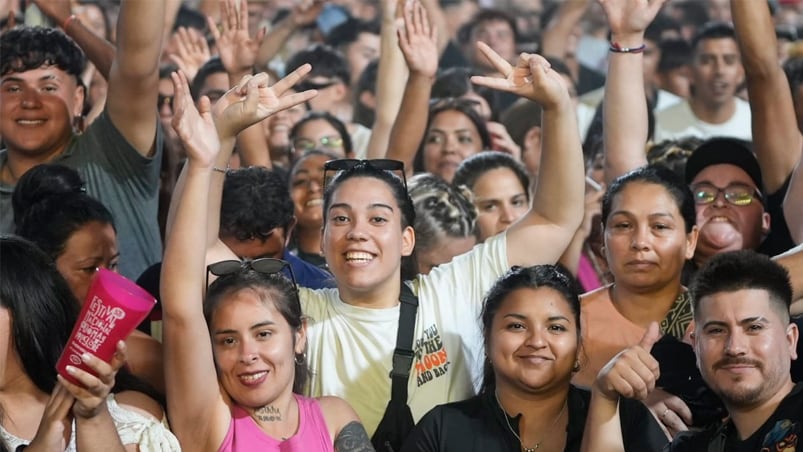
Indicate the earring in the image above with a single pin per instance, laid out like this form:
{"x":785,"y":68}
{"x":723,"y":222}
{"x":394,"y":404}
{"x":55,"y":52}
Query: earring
{"x":300,"y":359}
{"x":576,"y":366}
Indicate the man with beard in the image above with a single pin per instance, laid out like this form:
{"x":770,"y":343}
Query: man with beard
{"x":744,"y":345}
{"x":713,"y":108}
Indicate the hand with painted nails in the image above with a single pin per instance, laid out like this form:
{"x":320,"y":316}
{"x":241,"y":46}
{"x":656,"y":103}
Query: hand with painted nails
{"x":90,"y":396}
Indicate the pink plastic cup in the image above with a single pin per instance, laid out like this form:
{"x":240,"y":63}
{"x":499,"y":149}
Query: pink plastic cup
{"x":114,"y":306}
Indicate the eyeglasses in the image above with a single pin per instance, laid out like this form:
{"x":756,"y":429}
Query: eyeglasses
{"x":389,"y":165}
{"x":265,"y":265}
{"x":736,"y":194}
{"x":163,"y":100}
{"x":330,"y":142}
{"x":307,"y":85}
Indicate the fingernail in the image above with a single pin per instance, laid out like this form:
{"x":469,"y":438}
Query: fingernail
{"x":86,"y":357}
{"x":70,"y":369}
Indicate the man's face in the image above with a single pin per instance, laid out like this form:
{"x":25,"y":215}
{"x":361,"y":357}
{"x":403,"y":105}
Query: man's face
{"x":716,"y":72}
{"x":499,"y":36}
{"x":37,"y":108}
{"x":258,"y":247}
{"x":215,"y":86}
{"x":723,"y":225}
{"x":361,"y":52}
{"x":744,"y":346}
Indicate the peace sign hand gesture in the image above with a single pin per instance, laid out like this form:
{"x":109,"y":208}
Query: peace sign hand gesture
{"x":532,"y":77}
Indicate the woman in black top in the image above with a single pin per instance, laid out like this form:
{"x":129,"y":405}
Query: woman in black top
{"x":531,"y":325}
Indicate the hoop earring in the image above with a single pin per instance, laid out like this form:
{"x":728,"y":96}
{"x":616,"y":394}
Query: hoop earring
{"x":576,"y":366}
{"x":300,"y":359}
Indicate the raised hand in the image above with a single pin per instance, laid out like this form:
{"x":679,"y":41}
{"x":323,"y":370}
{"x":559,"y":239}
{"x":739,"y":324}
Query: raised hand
{"x":306,"y":12}
{"x":532,"y":77}
{"x":194,"y":126}
{"x":633,"y":372}
{"x":626,"y":17}
{"x":90,"y":398}
{"x":192,"y":51}
{"x":237,"y":49}
{"x":418,"y":40}
{"x":253,"y":100}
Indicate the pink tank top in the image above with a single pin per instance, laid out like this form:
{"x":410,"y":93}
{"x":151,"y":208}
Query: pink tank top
{"x":312,"y":435}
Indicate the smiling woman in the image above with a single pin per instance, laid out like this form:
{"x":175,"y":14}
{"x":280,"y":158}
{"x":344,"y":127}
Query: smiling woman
{"x":531,"y":329}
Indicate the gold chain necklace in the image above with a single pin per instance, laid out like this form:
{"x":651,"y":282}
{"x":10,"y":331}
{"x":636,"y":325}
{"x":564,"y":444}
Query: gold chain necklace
{"x":507,"y":421}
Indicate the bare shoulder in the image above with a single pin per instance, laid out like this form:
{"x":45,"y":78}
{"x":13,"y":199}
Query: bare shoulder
{"x":140,"y":403}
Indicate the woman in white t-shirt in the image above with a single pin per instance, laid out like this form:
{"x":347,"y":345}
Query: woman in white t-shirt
{"x":368,"y":242}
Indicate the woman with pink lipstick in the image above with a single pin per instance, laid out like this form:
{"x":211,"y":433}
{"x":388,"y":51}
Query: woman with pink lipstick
{"x":242,"y":391}
{"x":531,"y":329}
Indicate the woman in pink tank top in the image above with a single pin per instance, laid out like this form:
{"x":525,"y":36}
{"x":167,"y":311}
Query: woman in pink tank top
{"x":241,"y":392}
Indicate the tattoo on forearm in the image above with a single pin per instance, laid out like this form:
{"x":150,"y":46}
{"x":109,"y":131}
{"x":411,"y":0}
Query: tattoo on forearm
{"x":353,"y":438}
{"x":268,"y":413}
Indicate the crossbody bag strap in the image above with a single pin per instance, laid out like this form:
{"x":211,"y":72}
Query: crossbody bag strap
{"x":403,"y":354}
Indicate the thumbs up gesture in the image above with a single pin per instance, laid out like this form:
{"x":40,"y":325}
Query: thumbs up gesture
{"x":633,"y":372}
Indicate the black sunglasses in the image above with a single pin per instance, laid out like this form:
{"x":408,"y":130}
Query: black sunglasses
{"x":265,"y":265}
{"x":308,"y":85}
{"x":392,"y":166}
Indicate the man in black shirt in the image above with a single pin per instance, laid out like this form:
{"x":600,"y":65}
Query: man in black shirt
{"x":745,"y":343}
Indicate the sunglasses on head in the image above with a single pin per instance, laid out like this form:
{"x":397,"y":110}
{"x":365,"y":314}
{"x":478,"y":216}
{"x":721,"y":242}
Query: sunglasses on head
{"x":265,"y":265}
{"x":389,"y":165}
{"x":736,"y":194}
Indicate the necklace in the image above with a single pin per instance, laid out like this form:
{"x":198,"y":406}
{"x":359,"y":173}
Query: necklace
{"x":507,"y":421}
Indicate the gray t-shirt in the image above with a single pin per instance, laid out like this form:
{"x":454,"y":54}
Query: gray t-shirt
{"x":123,"y":180}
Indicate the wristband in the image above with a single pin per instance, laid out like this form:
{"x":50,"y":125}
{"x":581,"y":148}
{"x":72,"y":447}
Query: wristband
{"x":616,"y":48}
{"x":221,"y":170}
{"x":68,"y":21}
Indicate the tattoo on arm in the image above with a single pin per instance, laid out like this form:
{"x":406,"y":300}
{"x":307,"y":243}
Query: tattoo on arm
{"x":353,"y":438}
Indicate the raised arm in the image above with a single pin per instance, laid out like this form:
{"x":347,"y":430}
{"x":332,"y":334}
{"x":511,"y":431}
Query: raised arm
{"x":417,"y":41}
{"x":390,"y":79}
{"x":134,"y":74}
{"x":792,"y":260}
{"x":238,"y":51}
{"x":99,"y":51}
{"x":558,"y":31}
{"x":198,"y":413}
{"x":541,"y":236}
{"x":775,"y":134}
{"x":625,"y":106}
{"x":304,"y":13}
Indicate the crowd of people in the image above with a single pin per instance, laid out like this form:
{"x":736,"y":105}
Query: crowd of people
{"x":421,"y":225}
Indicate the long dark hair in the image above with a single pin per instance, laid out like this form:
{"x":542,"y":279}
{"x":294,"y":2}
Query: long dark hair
{"x":50,"y":204}
{"x":43,"y":312}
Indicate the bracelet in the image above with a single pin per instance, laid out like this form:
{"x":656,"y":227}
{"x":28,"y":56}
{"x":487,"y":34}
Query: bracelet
{"x":68,"y":21}
{"x":616,"y":48}
{"x":221,"y":170}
